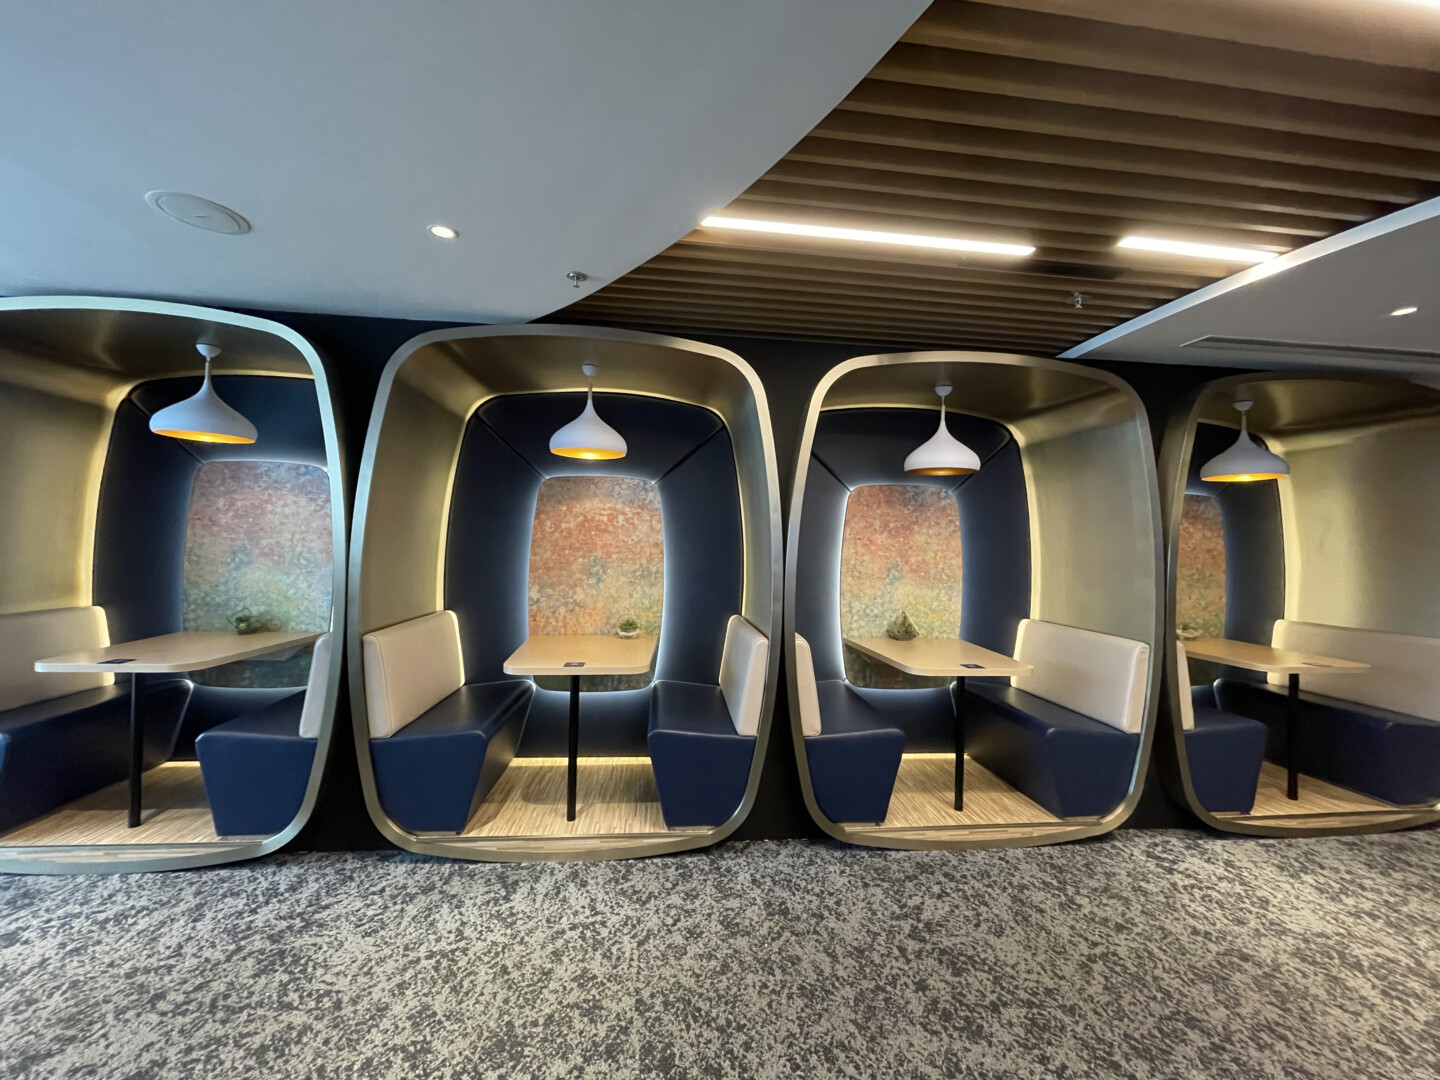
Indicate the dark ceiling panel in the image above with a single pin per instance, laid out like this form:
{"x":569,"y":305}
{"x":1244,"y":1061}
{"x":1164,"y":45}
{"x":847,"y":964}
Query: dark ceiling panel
{"x":1065,"y":124}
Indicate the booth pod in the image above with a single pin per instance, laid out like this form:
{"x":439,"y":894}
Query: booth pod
{"x":1032,"y":578}
{"x":152,"y":735}
{"x":1304,"y":606}
{"x":562,"y":651}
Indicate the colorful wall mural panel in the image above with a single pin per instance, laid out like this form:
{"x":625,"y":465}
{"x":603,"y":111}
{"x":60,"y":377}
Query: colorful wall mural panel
{"x":258,"y":537}
{"x":597,"y":556}
{"x":901,"y":552}
{"x":1200,"y":570}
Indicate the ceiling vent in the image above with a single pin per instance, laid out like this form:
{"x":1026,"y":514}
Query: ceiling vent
{"x":1308,"y":350}
{"x":201,"y":213}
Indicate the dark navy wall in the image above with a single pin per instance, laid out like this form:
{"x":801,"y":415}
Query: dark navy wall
{"x":686,"y":451}
{"x":995,"y":537}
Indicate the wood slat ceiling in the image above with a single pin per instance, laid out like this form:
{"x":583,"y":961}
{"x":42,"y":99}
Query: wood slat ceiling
{"x":1065,"y":124}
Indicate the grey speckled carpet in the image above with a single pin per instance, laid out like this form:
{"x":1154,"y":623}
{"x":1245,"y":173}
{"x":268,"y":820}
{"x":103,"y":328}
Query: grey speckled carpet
{"x":1147,"y":954}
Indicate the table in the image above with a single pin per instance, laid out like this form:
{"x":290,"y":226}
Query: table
{"x":168,"y":654}
{"x":943,"y":658}
{"x":1252,"y":657}
{"x":573,"y":655}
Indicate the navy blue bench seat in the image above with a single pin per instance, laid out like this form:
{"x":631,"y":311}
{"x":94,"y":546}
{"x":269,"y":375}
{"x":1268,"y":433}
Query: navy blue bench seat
{"x":700,"y":761}
{"x":1391,"y":756}
{"x":702,"y":736}
{"x":855,"y":758}
{"x":433,"y":774}
{"x":1224,"y":753}
{"x":1071,"y":765}
{"x":256,"y":768}
{"x":61,"y":749}
{"x":852,"y":752}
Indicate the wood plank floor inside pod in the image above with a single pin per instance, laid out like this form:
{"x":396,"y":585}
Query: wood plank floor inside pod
{"x":924,"y":798}
{"x":175,"y":812}
{"x":615,"y":796}
{"x":1318,"y":799}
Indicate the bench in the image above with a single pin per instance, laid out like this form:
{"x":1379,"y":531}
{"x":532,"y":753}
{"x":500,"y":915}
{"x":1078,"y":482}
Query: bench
{"x":1223,"y":751}
{"x":1067,"y":735}
{"x":438,"y":744}
{"x":1375,"y":732}
{"x":65,"y":736}
{"x":702,"y":736}
{"x":852,"y":752}
{"x":257,"y":766}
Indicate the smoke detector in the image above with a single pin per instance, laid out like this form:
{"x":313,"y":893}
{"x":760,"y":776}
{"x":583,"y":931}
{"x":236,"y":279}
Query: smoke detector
{"x":201,"y":213}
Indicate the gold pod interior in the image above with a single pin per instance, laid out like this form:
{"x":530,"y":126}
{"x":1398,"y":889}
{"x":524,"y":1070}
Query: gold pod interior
{"x":1060,"y":525}
{"x":1342,"y":546}
{"x":93,"y":514}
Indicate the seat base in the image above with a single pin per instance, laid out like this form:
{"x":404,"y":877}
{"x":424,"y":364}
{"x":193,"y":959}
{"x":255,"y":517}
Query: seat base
{"x":1070,"y":764}
{"x":1387,"y":755}
{"x":433,"y":774}
{"x":854,"y":760}
{"x":256,"y":769}
{"x":701,"y":762}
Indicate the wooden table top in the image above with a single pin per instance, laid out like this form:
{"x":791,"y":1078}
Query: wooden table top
{"x":939,"y":658}
{"x":582,"y":654}
{"x":191,"y":650}
{"x":1252,"y":657}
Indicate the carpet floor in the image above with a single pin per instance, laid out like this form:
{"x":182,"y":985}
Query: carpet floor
{"x":1143,"y":954}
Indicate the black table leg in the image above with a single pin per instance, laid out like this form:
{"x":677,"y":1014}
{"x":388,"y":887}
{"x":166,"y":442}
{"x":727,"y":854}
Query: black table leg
{"x":574,"y":747}
{"x":959,"y":744}
{"x":1292,"y":707}
{"x":137,"y":746}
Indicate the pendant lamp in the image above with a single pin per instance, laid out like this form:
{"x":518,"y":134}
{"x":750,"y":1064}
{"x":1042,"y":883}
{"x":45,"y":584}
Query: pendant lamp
{"x":203,"y":417}
{"x":587,"y":436}
{"x":942,"y":454}
{"x":1247,"y":460}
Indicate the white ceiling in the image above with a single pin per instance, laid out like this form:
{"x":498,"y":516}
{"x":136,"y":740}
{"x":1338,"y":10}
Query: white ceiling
{"x":1337,"y":293}
{"x":562,"y":135}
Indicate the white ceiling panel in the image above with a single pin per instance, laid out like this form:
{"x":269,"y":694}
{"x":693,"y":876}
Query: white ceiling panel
{"x":554,"y":136}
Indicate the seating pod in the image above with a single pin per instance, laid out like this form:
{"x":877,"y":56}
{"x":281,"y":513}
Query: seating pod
{"x":1334,"y":561}
{"x":1048,"y":554}
{"x":111,"y":533}
{"x":466,"y":528}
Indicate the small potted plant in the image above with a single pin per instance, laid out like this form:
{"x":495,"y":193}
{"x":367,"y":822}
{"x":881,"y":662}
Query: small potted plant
{"x":246,"y":621}
{"x":628,"y":628}
{"x":901,"y":628}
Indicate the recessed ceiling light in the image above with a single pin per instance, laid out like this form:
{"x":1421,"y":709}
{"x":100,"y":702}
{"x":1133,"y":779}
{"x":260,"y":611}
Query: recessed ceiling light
{"x":1197,"y":251}
{"x":1405,"y":311}
{"x":443,"y":232}
{"x":867,"y":236}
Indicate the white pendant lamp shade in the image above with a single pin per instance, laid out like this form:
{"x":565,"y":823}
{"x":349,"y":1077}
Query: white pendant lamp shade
{"x":587,"y":436}
{"x":1246,"y":461}
{"x":203,"y":417}
{"x":942,"y":454}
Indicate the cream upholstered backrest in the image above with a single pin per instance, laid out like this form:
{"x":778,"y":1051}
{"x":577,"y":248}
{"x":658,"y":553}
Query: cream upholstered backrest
{"x":1182,"y":679}
{"x":408,"y":668}
{"x":314,"y":709}
{"x":805,"y":688}
{"x":742,"y":674}
{"x":1100,"y":675}
{"x":1404,"y":673}
{"x":39,"y":635}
